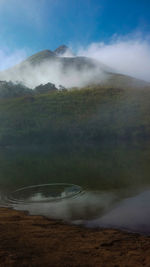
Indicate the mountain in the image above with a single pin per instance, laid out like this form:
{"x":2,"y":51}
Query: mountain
{"x":52,"y":66}
{"x":38,"y":58}
{"x":63,"y":50}
{"x":90,"y":115}
{"x":110,"y":107}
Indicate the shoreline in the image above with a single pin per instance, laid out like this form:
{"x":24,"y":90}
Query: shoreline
{"x":29,"y":240}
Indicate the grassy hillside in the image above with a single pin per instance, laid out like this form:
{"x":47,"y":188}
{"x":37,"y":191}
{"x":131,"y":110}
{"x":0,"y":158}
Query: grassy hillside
{"x":92,"y":114}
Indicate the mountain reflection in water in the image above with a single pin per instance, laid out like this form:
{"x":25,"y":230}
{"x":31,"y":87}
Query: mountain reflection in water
{"x":114,"y":177}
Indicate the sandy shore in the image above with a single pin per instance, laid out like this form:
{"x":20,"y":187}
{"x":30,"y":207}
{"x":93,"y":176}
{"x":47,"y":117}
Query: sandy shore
{"x":36,"y":241}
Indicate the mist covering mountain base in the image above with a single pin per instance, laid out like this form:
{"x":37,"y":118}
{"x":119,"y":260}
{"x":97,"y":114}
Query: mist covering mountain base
{"x":100,"y":105}
{"x":63,"y":67}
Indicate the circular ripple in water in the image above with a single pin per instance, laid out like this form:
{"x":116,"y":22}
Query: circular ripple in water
{"x":44,"y":193}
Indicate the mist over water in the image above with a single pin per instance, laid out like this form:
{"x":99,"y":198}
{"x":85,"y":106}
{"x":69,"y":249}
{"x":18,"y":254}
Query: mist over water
{"x":132,"y":214}
{"x":114,"y":179}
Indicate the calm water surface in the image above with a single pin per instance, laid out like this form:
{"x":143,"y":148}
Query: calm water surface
{"x":112,"y":183}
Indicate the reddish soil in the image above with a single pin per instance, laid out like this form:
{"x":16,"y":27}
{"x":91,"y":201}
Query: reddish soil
{"x":36,"y":241}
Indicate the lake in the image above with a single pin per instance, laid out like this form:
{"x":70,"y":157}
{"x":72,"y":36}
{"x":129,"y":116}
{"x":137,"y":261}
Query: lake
{"x":97,"y":185}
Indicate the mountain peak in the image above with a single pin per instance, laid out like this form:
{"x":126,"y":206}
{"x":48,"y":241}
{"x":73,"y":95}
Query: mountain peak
{"x":41,"y":56}
{"x":63,"y":50}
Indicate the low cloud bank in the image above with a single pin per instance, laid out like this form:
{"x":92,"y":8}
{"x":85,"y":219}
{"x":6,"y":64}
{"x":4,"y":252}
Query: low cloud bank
{"x":130,"y":56}
{"x":68,"y":73}
{"x":122,"y":55}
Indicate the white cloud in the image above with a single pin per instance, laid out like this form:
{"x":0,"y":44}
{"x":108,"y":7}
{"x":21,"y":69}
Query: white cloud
{"x":127,"y":56}
{"x":56,"y":72}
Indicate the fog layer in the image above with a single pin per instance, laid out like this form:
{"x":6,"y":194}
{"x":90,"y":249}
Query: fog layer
{"x":92,"y":64}
{"x":69,"y":72}
{"x":129,"y":56}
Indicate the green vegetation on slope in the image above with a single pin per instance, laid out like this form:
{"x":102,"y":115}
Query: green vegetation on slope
{"x":92,"y":114}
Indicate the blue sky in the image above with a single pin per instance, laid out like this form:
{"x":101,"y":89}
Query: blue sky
{"x":45,"y":24}
{"x":115,"y":32}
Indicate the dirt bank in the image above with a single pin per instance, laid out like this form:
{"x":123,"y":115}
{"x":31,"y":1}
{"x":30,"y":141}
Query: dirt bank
{"x":36,"y":241}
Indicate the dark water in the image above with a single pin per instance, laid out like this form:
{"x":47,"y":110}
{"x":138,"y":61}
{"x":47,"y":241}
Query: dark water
{"x":114,"y":180}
